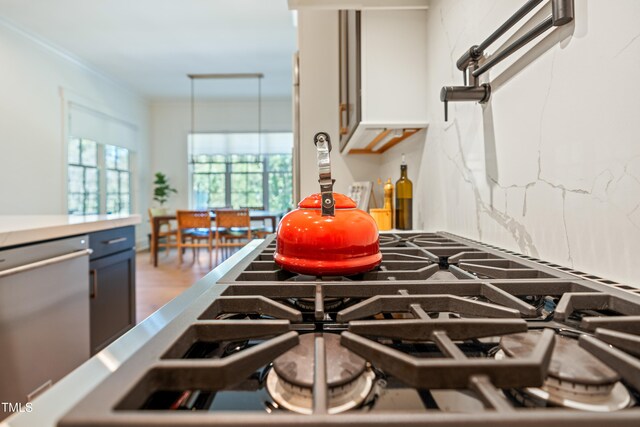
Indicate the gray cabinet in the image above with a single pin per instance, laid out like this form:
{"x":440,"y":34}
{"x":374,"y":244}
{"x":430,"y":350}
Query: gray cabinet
{"x":383,"y":78}
{"x":350,"y":104}
{"x":112,"y":290}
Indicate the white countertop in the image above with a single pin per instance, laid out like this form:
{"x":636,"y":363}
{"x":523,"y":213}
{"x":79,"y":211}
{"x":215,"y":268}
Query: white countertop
{"x":21,"y":229}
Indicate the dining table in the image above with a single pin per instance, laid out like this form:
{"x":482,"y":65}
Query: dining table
{"x":255,"y":215}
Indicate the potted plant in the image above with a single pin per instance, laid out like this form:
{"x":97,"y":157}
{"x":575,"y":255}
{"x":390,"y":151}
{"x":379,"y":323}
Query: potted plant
{"x":162,"y":189}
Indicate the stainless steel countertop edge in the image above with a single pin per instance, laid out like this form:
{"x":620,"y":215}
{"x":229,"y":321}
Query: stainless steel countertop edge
{"x":66,"y":393}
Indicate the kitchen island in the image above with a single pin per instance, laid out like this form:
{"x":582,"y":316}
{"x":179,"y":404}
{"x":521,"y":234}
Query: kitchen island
{"x":67,"y":290}
{"x":50,"y":406}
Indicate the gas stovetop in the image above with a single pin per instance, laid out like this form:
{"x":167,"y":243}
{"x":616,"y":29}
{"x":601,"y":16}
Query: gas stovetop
{"x":446,"y":332}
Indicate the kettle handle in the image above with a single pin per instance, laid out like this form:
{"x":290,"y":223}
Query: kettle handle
{"x":323,"y":145}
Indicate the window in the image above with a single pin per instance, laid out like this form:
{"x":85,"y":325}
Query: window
{"x":98,"y":178}
{"x":224,"y":172}
{"x":118,"y":193}
{"x":246,"y":181}
{"x":83,"y":196}
{"x":280,"y":179}
{"x":209,"y":181}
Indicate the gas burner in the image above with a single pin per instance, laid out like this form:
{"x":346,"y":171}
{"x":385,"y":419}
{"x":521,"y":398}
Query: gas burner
{"x":349,"y":378}
{"x":575,"y":379}
{"x":308,"y":304}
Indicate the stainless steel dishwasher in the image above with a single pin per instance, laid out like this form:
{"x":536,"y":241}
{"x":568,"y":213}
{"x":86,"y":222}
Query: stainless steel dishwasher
{"x":44,"y":315}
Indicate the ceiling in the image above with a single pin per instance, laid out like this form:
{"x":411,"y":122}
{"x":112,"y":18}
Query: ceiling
{"x":151,"y":45}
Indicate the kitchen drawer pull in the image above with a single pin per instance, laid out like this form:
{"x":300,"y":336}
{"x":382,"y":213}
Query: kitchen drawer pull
{"x":42,"y":388}
{"x":45,"y":262}
{"x":343,"y":109}
{"x":114,"y":241}
{"x":94,"y":284}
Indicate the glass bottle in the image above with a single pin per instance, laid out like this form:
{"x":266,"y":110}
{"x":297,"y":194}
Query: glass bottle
{"x":404,"y":199}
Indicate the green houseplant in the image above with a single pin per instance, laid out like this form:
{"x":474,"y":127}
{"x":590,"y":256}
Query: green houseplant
{"x":162,"y":189}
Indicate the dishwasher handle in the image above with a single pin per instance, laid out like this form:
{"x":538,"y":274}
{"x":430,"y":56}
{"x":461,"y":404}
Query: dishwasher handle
{"x":45,"y":262}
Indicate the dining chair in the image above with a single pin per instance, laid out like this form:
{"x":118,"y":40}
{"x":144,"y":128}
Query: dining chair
{"x":259,"y":228}
{"x":194,"y":227}
{"x":233,"y":228}
{"x":167,"y":235}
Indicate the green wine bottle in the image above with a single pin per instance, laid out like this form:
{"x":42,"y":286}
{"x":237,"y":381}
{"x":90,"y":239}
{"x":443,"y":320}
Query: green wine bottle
{"x":404,"y":199}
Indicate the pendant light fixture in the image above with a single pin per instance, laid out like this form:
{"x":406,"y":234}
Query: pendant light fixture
{"x":257,"y":76}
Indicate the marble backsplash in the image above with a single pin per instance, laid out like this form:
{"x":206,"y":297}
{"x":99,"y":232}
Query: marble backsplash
{"x":550,"y":166}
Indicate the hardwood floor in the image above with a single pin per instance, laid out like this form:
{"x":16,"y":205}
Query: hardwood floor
{"x":157,"y":286}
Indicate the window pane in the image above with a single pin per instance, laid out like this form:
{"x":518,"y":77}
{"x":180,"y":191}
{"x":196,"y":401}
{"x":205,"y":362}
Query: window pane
{"x":208,"y":190}
{"x":123,"y":159}
{"x":218,"y":167}
{"x":255,"y":167}
{"x":75,"y":204}
{"x":76,"y":179}
{"x":279,"y":163}
{"x":112,"y":203}
{"x":124,"y":204}
{"x":238,"y":200}
{"x":73,"y":155}
{"x":200,"y":182}
{"x":280,"y":191}
{"x":124,"y":182}
{"x":89,"y":153}
{"x":202,"y":158}
{"x":91,"y":180}
{"x":110,"y":156}
{"x":238,"y":182}
{"x":200,"y":191}
{"x":254,"y":200}
{"x":239,"y":167}
{"x":216,"y":195}
{"x":112,"y":182}
{"x":91,"y":203}
{"x":255,"y":180}
{"x":200,"y":167}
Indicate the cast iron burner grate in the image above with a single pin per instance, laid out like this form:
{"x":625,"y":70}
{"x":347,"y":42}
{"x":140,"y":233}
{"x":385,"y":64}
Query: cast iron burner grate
{"x":436,"y":331}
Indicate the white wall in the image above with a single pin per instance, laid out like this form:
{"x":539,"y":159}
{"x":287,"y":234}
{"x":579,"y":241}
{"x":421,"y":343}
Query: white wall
{"x":37,"y":82}
{"x":171,"y":125}
{"x":550,"y":167}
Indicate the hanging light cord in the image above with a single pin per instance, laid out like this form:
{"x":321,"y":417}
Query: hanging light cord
{"x":259,"y":116}
{"x":193,"y":118}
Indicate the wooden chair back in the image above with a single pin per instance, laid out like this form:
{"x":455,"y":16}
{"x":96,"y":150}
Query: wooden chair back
{"x":227,"y":218}
{"x":193,"y":219}
{"x":188,"y":220}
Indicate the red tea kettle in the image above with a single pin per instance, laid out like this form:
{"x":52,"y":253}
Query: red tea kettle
{"x":327,"y":235}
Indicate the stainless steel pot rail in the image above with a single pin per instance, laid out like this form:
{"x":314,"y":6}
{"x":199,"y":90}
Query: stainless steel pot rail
{"x":561,"y":14}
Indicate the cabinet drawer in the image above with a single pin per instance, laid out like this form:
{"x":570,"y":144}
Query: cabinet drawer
{"x":108,"y":242}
